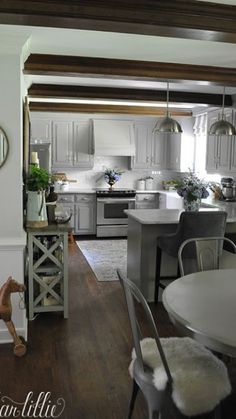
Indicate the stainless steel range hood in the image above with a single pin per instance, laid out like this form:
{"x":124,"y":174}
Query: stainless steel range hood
{"x":113,"y":137}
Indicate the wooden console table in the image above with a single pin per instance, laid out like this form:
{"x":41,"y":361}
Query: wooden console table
{"x":48,"y":269}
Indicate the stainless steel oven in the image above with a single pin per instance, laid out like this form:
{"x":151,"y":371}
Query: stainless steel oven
{"x":111,"y":216}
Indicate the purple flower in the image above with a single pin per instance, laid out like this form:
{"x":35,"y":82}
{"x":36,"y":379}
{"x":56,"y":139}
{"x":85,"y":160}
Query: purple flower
{"x":192,"y":188}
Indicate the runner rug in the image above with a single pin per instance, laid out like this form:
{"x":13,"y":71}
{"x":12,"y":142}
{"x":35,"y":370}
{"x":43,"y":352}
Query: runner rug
{"x":105,"y":256}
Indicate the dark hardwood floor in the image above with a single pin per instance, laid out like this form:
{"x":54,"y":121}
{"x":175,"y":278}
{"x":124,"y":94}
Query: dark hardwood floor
{"x":83,"y":359}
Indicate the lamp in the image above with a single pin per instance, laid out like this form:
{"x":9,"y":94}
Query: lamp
{"x":222,"y":127}
{"x":167,"y":125}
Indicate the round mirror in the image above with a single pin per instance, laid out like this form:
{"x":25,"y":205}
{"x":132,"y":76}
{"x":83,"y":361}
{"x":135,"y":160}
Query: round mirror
{"x":4,"y":147}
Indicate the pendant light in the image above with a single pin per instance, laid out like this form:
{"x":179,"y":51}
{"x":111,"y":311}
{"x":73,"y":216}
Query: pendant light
{"x":222,"y":127}
{"x":167,"y":125}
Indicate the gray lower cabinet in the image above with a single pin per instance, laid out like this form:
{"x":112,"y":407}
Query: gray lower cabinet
{"x":146,"y":201}
{"x":83,"y":209}
{"x":48,"y":269}
{"x":85,"y":214}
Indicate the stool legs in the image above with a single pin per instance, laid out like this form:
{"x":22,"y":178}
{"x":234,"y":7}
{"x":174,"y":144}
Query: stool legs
{"x":158,"y":274}
{"x":158,"y":277}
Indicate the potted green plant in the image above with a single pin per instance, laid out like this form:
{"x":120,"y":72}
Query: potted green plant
{"x":37,"y":182}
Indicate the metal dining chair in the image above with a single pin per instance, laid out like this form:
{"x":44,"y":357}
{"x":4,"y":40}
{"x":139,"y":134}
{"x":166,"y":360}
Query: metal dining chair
{"x":191,"y":224}
{"x":203,"y":253}
{"x":159,"y":368}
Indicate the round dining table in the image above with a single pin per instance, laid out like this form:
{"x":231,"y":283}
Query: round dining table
{"x":203,"y":305}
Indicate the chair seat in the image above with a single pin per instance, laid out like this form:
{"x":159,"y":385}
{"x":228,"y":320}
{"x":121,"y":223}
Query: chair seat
{"x":200,"y":380}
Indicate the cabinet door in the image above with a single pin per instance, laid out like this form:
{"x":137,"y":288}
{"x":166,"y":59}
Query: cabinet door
{"x":82,"y":144}
{"x":173,"y":143}
{"x":62,"y":152}
{"x":158,"y":159}
{"x":40,"y":129}
{"x":224,"y":153}
{"x":211,"y":154}
{"x":233,"y":155}
{"x":142,"y":158}
{"x":212,"y":141}
{"x":85,"y":218}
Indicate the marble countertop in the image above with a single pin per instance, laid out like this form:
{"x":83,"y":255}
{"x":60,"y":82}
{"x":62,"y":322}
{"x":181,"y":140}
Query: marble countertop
{"x":171,"y":216}
{"x":76,"y":190}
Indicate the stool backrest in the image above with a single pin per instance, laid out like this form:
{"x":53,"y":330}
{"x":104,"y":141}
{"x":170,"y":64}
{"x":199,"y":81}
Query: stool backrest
{"x":200,"y":224}
{"x":207,"y":253}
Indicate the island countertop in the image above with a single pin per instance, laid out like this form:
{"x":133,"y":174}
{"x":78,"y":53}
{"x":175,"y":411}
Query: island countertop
{"x":171,"y":216}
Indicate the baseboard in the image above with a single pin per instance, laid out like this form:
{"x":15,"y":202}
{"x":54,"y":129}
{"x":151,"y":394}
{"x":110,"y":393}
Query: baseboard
{"x":5,"y":336}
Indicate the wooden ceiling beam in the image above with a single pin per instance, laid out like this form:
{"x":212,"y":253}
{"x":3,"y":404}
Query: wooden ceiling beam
{"x":54,"y":91}
{"x":109,"y":109}
{"x":74,"y":66}
{"x":189,"y":19}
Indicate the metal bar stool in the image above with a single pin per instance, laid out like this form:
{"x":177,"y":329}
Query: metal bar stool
{"x":191,"y":225}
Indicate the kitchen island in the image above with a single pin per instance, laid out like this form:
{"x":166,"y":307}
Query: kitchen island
{"x":144,"y":226}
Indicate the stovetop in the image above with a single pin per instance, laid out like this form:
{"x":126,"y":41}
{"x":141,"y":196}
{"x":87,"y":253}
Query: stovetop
{"x":129,"y":193}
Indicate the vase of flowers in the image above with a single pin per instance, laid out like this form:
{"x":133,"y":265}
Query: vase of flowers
{"x":192,"y":189}
{"x":112,"y":176}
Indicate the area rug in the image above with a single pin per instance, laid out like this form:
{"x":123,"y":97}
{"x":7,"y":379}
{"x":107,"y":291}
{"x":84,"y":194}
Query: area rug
{"x":105,"y":256}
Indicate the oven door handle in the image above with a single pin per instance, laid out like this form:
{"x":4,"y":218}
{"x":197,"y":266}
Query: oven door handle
{"x":115,"y":201}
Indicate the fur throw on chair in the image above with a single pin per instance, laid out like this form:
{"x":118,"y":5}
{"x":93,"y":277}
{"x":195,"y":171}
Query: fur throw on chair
{"x":200,"y":380}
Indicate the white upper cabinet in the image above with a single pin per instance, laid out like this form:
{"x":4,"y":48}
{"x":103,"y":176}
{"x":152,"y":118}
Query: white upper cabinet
{"x":72,"y":144}
{"x":159,"y":151}
{"x":71,"y":138}
{"x":150,"y":149}
{"x":62,"y":145}
{"x":221,"y":153}
{"x":142,"y":157}
{"x":163,"y":151}
{"x":113,"y":137}
{"x":83,"y":144}
{"x":40,"y":129}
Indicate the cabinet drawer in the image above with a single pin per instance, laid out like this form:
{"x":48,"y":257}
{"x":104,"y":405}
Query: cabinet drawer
{"x":66,"y":198}
{"x":145,"y":205}
{"x":84,"y":197}
{"x":149,"y":197}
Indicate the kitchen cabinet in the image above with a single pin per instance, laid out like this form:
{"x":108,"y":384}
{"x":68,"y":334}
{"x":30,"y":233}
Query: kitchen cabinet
{"x":150,"y":149}
{"x":71,"y":138}
{"x":62,"y":144}
{"x":72,"y":144}
{"x":221,"y":150}
{"x":40,"y":129}
{"x":48,"y":269}
{"x":146,"y":201}
{"x":83,"y":210}
{"x":85,"y":214}
{"x":163,"y":151}
{"x":83,"y":144}
{"x":142,"y":158}
{"x":170,"y":201}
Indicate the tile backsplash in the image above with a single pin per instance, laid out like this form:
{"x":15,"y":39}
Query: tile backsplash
{"x":94,"y":178}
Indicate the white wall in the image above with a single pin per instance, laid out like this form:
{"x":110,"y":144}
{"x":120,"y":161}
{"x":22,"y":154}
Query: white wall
{"x":12,"y":235}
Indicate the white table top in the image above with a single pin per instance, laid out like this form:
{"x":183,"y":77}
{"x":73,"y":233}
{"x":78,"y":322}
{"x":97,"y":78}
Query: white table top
{"x":203,"y":305}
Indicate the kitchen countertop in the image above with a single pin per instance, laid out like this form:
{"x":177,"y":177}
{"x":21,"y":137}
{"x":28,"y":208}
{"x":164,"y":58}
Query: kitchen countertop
{"x":171,"y":216}
{"x":76,"y":190}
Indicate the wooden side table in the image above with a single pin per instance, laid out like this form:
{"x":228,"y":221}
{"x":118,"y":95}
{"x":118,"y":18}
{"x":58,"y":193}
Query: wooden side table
{"x":48,"y":269}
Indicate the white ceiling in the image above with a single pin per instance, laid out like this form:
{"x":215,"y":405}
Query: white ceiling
{"x":123,"y":46}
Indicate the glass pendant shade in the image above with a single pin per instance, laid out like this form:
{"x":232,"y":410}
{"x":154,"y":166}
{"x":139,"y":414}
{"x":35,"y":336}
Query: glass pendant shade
{"x":222,"y":127}
{"x":167,"y":125}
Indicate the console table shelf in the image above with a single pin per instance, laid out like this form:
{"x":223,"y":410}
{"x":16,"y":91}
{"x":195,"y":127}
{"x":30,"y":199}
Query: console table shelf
{"x":48,"y":269}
